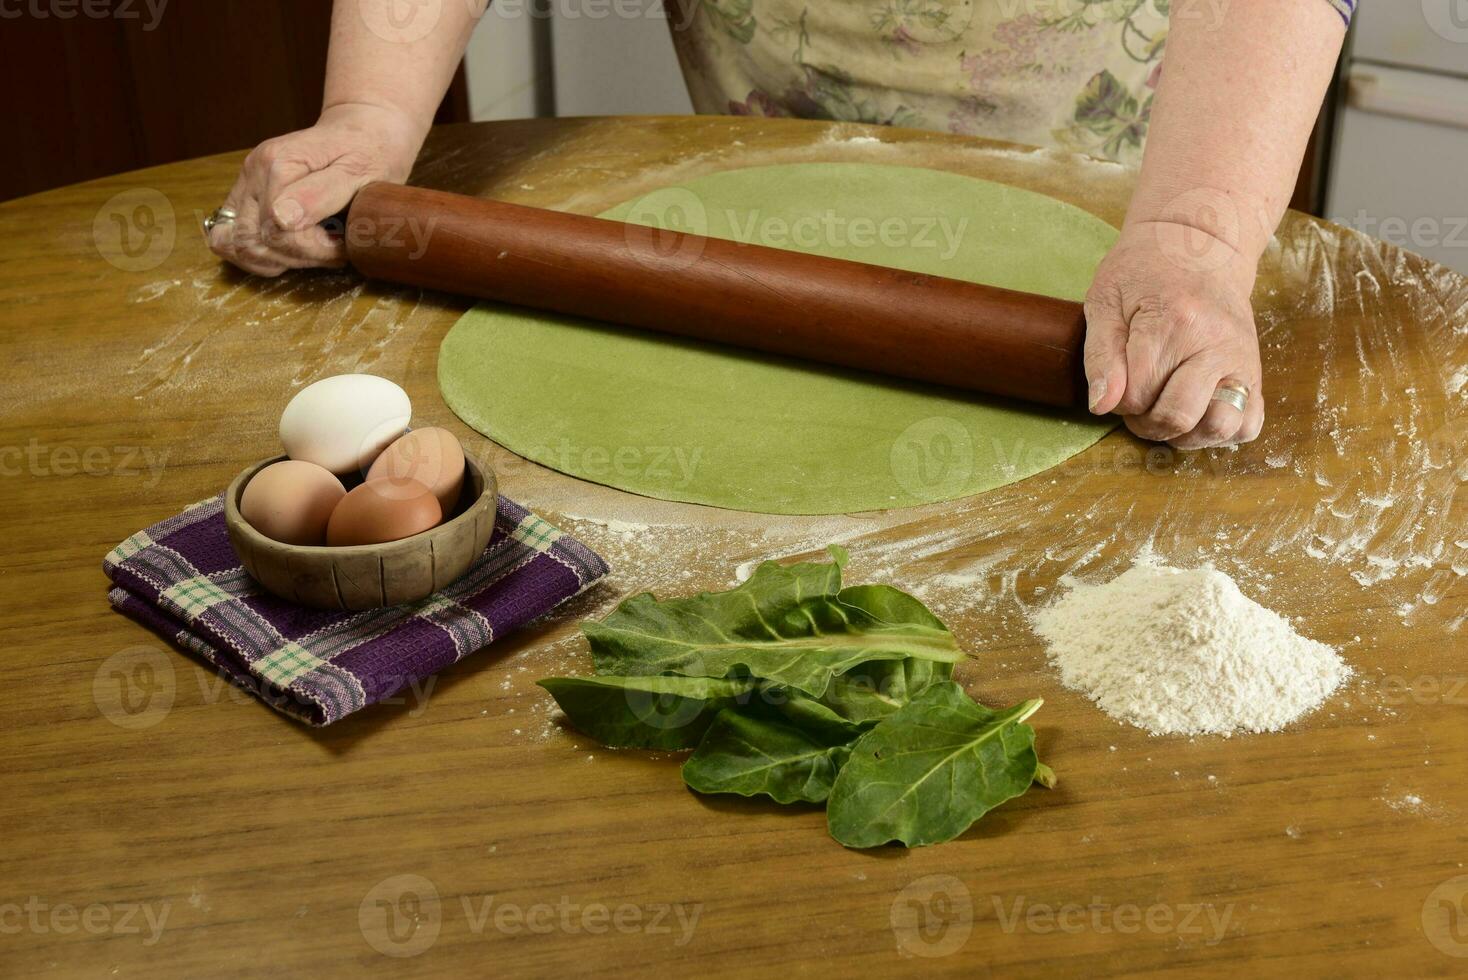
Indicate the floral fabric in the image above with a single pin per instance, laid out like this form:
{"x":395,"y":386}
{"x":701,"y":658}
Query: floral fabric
{"x":1076,"y":74}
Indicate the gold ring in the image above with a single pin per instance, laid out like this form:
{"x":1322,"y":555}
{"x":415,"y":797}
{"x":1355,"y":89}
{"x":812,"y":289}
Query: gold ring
{"x":1232,"y":393}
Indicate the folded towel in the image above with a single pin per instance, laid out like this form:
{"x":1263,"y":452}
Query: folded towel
{"x":182,"y":579}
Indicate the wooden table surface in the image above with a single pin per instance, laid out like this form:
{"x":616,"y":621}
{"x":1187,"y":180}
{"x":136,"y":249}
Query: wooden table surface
{"x":157,"y":823}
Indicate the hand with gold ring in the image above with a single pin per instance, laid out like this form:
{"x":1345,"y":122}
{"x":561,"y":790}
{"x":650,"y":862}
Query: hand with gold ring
{"x":1173,"y":350}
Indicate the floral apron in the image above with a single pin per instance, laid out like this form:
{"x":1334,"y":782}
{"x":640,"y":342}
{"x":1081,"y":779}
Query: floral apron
{"x":1072,"y":74}
{"x":1077,"y":74}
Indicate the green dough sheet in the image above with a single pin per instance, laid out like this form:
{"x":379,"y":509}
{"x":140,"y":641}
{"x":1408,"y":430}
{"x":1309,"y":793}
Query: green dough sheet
{"x":683,"y":420}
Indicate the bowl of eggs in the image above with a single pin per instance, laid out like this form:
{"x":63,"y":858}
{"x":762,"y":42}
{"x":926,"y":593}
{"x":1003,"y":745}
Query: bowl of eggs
{"x":360,"y":512}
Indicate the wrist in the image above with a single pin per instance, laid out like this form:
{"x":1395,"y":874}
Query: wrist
{"x":401,"y":131}
{"x":1242,"y":221}
{"x":1194,"y":249}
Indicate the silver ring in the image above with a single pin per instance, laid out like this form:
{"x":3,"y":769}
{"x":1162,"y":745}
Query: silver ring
{"x":1232,"y":393}
{"x":221,"y":216}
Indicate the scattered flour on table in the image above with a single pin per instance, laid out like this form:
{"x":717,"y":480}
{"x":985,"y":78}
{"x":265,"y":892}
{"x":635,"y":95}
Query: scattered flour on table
{"x":1183,"y":651}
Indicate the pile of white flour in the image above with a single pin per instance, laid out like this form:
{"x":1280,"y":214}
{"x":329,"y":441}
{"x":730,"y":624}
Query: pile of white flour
{"x":1183,"y":651}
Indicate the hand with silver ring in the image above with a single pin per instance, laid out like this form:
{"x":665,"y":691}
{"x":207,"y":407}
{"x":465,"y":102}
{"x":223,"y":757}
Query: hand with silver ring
{"x":1233,"y":393}
{"x":1172,"y":349}
{"x":219,"y":217}
{"x":271,"y":219}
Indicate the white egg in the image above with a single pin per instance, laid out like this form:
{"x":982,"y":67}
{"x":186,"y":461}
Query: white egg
{"x":344,"y":422}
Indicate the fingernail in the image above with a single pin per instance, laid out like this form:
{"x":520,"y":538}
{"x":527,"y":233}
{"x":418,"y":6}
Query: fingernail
{"x":1098,"y":392}
{"x":289,"y":213}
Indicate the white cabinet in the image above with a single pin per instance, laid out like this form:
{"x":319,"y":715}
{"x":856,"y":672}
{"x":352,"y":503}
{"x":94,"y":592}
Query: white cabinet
{"x":1430,"y":35}
{"x":1399,"y":166}
{"x":607,"y":57}
{"x":616,"y":59}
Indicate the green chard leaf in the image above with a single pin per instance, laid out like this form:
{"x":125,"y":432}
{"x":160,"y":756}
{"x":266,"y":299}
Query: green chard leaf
{"x":753,"y":755}
{"x":870,"y":692}
{"x":789,"y":624}
{"x":925,"y":773}
{"x":889,"y":605}
{"x":795,"y":688}
{"x":645,"y":712}
{"x":790,"y":707}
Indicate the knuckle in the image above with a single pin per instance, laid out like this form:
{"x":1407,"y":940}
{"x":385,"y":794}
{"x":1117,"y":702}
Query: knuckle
{"x":261,"y":265}
{"x":1166,"y":318}
{"x":275,"y":169}
{"x":1132,"y":404}
{"x":1182,"y":314}
{"x":1216,"y":430}
{"x":1148,"y":321}
{"x":1098,"y":296}
{"x":268,"y":156}
{"x":241,"y":237}
{"x":1169,"y":422}
{"x":1140,"y":425}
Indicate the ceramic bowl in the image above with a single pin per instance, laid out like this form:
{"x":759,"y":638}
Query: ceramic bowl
{"x":368,"y":576}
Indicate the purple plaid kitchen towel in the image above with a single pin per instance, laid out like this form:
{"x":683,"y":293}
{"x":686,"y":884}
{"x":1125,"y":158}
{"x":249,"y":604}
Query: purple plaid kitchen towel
{"x":182,"y":579}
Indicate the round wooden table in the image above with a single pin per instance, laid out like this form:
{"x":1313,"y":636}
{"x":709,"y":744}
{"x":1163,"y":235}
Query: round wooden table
{"x":157,"y":822}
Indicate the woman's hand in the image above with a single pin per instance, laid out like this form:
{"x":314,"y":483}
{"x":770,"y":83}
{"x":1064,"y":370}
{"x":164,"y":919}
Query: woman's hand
{"x":291,"y":183}
{"x":1168,"y":320}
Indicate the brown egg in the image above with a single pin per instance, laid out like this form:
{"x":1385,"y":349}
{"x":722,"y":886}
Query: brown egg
{"x":292,"y":501}
{"x":432,"y":456}
{"x":384,"y":509}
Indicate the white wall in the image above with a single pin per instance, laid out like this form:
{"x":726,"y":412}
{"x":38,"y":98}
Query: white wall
{"x":611,"y":58}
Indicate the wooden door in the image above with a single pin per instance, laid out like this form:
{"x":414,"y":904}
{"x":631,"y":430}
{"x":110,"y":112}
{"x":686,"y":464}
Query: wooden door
{"x":100,"y":86}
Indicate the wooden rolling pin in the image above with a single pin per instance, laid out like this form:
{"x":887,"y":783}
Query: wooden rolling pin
{"x":920,"y":327}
